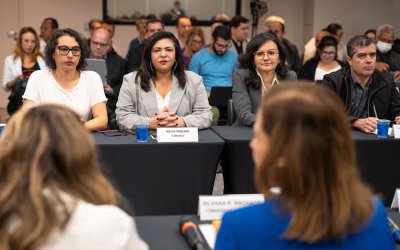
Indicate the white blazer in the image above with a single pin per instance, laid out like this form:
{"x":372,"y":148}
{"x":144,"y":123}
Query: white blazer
{"x":13,"y":68}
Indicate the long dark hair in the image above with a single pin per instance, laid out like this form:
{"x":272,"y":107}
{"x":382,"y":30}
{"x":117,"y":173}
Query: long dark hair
{"x":53,"y":43}
{"x":146,"y":71}
{"x":246,"y":60}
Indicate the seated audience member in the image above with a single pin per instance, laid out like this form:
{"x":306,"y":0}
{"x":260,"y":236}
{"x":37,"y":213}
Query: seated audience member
{"x":195,"y":41}
{"x":260,"y":68}
{"x":100,"y":42}
{"x":134,"y":57}
{"x":239,"y":26}
{"x":337,"y":31}
{"x":371,"y":33}
{"x":387,"y":59}
{"x":368,"y":95}
{"x":67,"y":83}
{"x":303,"y":144}
{"x":48,"y":27}
{"x":310,"y":49}
{"x":54,"y":195}
{"x":323,"y":63}
{"x":276,"y":25}
{"x":141,"y":29}
{"x":216,"y":64}
{"x":183,"y":25}
{"x":25,"y":59}
{"x":161,"y":93}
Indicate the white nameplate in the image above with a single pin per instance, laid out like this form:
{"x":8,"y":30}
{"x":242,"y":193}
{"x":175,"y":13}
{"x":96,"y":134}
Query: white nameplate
{"x":177,"y":135}
{"x":396,"y":200}
{"x":213,"y":207}
{"x":396,"y":131}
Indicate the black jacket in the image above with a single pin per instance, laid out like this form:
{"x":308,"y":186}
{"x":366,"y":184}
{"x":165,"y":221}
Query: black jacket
{"x":292,"y":55}
{"x":116,"y":69}
{"x":134,"y":58}
{"x":383,"y":98}
{"x":307,"y":72}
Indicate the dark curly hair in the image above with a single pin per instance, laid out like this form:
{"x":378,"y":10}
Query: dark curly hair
{"x":146,"y":71}
{"x":52,"y":45}
{"x":246,"y":60}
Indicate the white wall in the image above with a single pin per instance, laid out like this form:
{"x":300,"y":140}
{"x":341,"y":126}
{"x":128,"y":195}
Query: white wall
{"x":357,"y":16}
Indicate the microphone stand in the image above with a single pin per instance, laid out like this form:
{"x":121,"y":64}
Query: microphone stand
{"x":255,"y":15}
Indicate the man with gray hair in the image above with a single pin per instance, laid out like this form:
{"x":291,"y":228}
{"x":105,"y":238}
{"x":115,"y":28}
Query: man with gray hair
{"x":387,"y":59}
{"x":368,"y":95}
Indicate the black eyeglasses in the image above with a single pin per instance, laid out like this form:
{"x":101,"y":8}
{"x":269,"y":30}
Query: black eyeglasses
{"x":64,"y":50}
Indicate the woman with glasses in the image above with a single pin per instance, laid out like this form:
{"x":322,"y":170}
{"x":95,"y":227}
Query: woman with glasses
{"x":194,"y":42}
{"x":324,"y":62}
{"x":305,"y":166}
{"x":260,"y":68}
{"x":53,"y":193}
{"x":161,"y":93}
{"x":67,"y":83}
{"x":18,"y":66}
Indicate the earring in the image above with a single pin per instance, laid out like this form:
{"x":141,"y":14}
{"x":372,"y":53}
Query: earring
{"x":175,"y":65}
{"x":151,"y":67}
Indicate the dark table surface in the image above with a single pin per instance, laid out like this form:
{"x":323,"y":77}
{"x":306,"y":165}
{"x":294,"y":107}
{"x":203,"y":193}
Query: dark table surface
{"x":161,"y":178}
{"x":162,"y":233}
{"x":377,"y":160}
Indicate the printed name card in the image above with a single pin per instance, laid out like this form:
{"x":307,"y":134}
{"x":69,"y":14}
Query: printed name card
{"x":177,"y":135}
{"x":396,"y":131}
{"x":213,"y":207}
{"x":396,"y":200}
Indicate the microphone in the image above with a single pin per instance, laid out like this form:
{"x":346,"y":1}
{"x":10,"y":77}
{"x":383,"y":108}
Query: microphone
{"x":192,"y":234}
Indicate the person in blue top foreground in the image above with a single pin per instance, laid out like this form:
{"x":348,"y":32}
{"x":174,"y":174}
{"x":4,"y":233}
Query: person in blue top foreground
{"x":302,"y":143}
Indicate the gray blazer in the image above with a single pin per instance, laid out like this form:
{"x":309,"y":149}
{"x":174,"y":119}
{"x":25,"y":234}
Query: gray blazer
{"x":246,"y":99}
{"x":135,"y":106}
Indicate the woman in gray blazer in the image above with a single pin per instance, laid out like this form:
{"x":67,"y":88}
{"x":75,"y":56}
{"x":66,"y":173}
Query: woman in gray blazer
{"x":260,"y":68}
{"x":161,"y":93}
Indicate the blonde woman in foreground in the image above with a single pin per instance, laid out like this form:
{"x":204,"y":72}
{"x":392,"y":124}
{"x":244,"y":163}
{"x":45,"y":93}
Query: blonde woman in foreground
{"x":52,"y":192}
{"x":303,"y":144}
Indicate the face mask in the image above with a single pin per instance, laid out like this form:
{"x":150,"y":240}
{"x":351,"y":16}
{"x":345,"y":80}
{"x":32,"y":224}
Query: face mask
{"x":383,"y":47}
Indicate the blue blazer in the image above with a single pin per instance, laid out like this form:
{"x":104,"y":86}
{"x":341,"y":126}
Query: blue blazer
{"x":261,"y":227}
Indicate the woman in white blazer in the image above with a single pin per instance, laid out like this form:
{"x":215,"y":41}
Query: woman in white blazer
{"x":161,"y":93}
{"x":25,"y":59}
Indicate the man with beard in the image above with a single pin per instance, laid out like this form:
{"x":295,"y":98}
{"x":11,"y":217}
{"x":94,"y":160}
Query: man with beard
{"x":216,"y":64}
{"x":368,"y":94}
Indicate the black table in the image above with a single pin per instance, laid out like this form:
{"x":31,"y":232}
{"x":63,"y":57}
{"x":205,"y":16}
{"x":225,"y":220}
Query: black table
{"x":162,"y":233}
{"x":161,"y":178}
{"x":377,"y":160}
{"x":236,"y":159}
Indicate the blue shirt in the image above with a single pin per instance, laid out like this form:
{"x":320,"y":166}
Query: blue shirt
{"x":260,"y":227}
{"x":215,"y":70}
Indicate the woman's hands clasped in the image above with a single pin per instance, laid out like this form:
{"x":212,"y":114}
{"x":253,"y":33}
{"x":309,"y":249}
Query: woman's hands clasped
{"x":166,"y":118}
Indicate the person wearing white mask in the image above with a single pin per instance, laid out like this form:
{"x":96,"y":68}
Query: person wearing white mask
{"x":387,"y":60}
